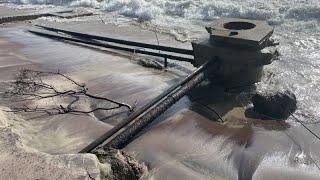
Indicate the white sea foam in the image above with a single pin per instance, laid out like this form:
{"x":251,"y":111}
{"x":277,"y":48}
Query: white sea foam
{"x":273,"y":11}
{"x":277,"y":165}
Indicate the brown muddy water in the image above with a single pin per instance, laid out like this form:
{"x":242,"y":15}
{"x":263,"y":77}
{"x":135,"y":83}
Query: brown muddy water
{"x":186,"y":142}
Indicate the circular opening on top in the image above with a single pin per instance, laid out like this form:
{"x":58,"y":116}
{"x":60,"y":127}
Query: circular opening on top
{"x":239,"y":25}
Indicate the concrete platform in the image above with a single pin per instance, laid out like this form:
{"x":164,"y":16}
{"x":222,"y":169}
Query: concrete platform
{"x":8,"y":15}
{"x":240,"y":32}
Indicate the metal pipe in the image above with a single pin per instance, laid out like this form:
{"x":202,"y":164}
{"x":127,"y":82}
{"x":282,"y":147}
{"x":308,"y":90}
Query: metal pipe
{"x":165,"y":62}
{"x":125,"y":137}
{"x":124,"y":42}
{"x":96,"y":43}
{"x":140,"y":111}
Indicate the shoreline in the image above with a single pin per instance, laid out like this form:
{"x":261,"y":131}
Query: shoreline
{"x":184,"y":142}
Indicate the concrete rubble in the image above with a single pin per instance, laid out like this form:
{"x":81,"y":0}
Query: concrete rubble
{"x":124,"y":166}
{"x":275,"y":104}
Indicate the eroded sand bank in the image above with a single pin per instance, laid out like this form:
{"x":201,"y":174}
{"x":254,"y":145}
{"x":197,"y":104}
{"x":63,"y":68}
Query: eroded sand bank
{"x":19,"y":161}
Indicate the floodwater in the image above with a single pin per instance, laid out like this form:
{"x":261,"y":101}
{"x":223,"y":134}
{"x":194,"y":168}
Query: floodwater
{"x":187,"y":142}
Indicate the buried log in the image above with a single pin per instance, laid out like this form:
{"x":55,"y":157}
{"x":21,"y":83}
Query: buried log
{"x":142,"y":110}
{"x":125,"y":137}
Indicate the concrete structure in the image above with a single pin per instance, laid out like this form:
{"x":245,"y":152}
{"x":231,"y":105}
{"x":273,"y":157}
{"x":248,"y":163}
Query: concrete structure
{"x":242,"y":46}
{"x":72,"y":13}
{"x":68,"y":14}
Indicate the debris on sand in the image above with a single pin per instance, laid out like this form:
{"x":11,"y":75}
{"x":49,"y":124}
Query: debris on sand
{"x":279,"y":105}
{"x":149,"y":63}
{"x":124,"y":166}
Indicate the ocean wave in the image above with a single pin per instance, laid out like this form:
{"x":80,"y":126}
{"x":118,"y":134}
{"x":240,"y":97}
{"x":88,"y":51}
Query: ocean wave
{"x":145,"y":10}
{"x":304,"y":13}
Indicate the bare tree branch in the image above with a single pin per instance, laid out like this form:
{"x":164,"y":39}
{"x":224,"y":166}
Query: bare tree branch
{"x":29,"y":86}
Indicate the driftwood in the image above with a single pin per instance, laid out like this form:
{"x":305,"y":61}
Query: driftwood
{"x":30,"y":86}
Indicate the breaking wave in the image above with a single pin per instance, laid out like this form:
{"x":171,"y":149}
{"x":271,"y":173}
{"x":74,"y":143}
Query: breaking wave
{"x":273,"y":11}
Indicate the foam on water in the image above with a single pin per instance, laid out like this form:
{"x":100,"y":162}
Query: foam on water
{"x":190,"y":16}
{"x":277,"y":165}
{"x":274,"y":11}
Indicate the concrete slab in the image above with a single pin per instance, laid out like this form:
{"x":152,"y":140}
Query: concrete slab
{"x":242,"y":32}
{"x":72,"y":13}
{"x":11,"y":15}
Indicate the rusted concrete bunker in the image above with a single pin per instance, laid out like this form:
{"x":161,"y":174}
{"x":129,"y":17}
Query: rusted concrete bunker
{"x":242,"y":46}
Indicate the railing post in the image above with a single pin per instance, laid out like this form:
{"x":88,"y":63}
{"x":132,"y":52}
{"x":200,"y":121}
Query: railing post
{"x":165,"y":62}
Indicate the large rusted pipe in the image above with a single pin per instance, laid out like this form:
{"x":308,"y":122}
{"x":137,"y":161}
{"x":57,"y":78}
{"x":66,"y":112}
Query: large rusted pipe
{"x":125,"y":137}
{"x":141,"y":110}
